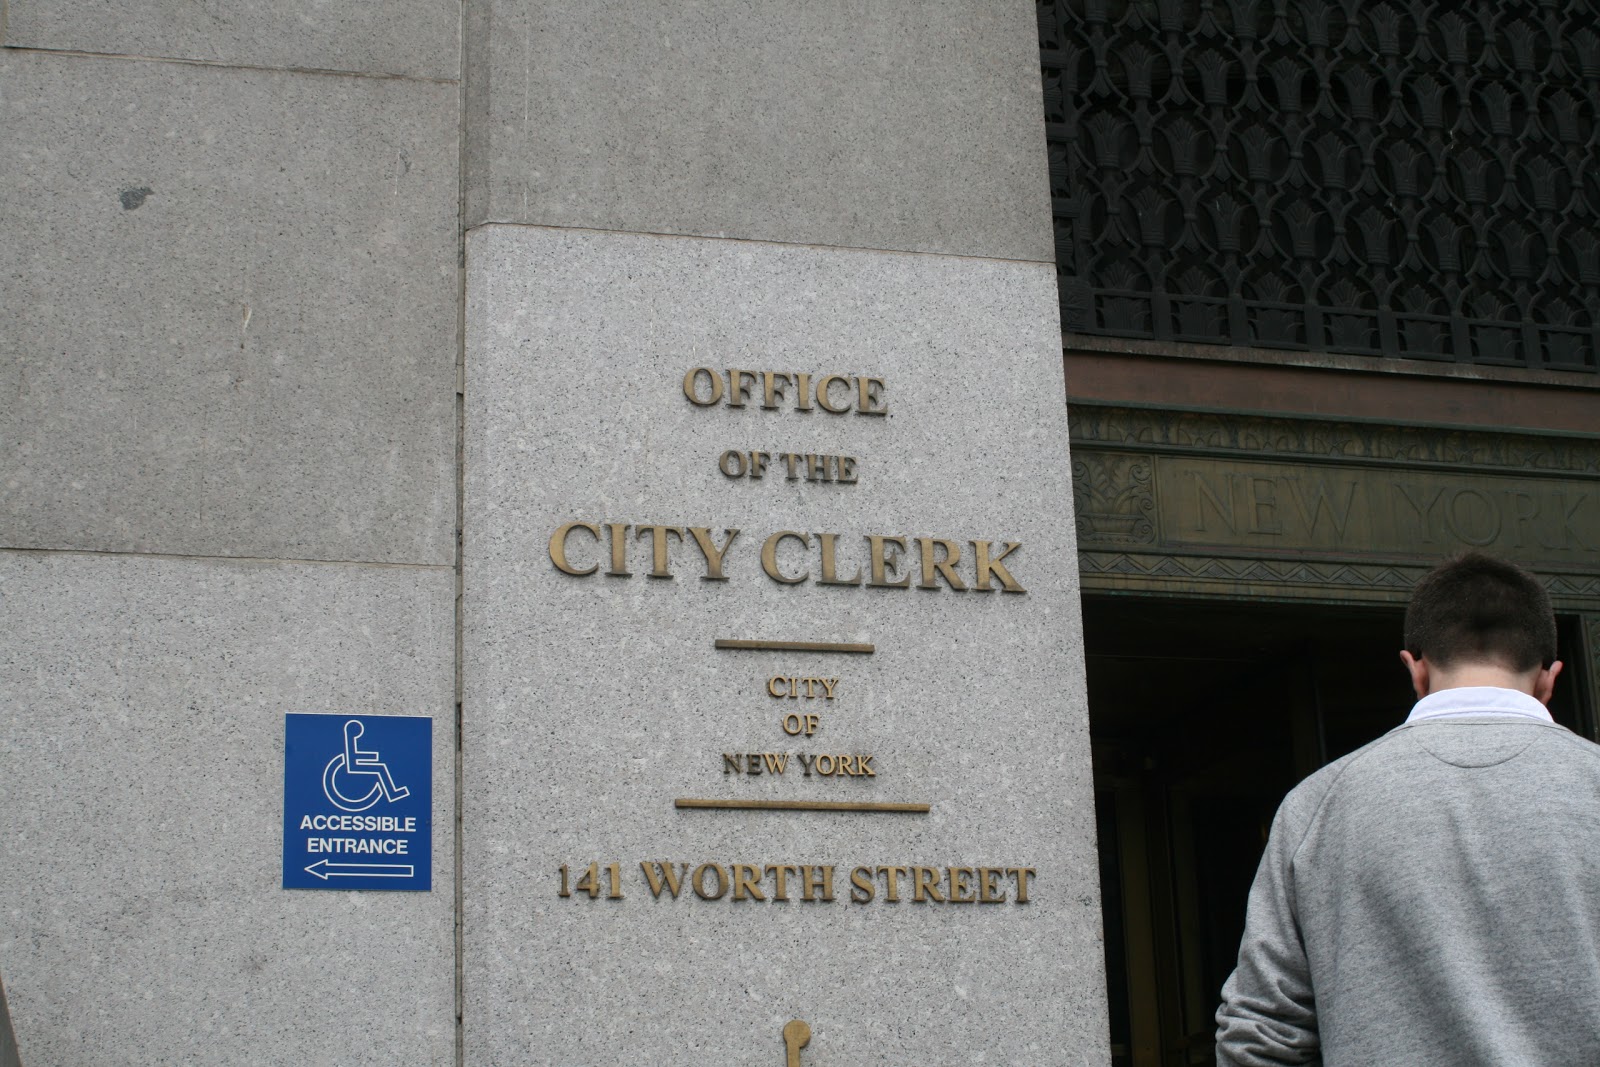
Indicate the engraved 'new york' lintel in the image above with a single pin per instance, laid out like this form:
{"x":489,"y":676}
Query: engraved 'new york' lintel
{"x":1215,"y":504}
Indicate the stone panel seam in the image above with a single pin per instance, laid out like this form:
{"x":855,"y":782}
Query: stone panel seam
{"x":475,"y":124}
{"x":195,"y":558}
{"x":463,"y":181}
{"x":1085,"y":415}
{"x":759,"y":241}
{"x":68,"y":53}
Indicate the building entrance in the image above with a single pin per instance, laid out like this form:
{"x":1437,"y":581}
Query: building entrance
{"x":1203,"y":714}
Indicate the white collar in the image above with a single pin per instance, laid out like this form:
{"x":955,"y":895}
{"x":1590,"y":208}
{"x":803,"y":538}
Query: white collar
{"x":1478,"y":700}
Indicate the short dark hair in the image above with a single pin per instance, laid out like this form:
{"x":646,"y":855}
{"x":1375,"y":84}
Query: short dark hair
{"x":1480,"y":609}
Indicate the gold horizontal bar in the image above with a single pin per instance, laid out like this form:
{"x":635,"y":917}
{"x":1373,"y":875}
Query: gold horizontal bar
{"x":799,"y":805}
{"x":794,"y":646}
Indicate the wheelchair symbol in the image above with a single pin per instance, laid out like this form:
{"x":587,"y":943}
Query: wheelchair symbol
{"x":356,"y":762}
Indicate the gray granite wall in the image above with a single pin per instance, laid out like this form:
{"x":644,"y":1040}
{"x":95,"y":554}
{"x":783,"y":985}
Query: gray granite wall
{"x":898,"y":125}
{"x":239,"y":242}
{"x":228,"y":355}
{"x":809,"y":189}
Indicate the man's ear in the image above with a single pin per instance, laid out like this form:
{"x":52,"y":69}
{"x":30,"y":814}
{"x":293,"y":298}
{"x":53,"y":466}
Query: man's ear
{"x":1418,"y":669}
{"x":1544,"y":684}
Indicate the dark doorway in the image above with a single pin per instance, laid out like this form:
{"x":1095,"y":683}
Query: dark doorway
{"x":1202,"y":716}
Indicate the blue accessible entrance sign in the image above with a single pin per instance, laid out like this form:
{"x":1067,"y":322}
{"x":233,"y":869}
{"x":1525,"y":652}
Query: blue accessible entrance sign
{"x":357,"y":802}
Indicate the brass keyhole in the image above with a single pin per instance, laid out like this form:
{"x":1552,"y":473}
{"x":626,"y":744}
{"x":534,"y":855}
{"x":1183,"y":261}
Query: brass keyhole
{"x":796,"y":1036}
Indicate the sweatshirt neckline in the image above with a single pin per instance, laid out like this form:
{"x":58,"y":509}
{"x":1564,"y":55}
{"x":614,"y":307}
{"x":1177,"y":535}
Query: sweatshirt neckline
{"x":1478,"y":700}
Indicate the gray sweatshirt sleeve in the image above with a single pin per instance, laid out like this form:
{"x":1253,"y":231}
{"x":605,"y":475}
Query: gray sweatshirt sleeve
{"x":1268,"y":1016}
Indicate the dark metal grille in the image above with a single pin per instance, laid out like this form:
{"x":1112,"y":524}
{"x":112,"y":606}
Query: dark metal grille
{"x":1416,"y":180}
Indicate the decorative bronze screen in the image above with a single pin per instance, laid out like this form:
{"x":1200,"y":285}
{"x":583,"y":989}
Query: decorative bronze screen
{"x":1416,"y":180}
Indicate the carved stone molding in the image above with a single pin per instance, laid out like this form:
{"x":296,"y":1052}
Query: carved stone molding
{"x":1113,"y":499}
{"x":1276,"y":437}
{"x":1288,"y":579}
{"x":1162,"y":573}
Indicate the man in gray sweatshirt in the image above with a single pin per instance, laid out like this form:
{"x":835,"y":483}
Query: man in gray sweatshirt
{"x":1434,"y":897}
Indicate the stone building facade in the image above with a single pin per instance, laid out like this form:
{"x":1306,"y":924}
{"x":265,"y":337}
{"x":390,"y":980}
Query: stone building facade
{"x":1323,"y":282}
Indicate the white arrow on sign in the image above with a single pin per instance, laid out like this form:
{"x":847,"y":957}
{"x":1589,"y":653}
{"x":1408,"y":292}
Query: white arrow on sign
{"x":325,"y":870}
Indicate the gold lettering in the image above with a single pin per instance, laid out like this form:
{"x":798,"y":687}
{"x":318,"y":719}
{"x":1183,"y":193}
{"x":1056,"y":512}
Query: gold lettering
{"x":925,"y":885}
{"x":830,"y":575}
{"x":779,"y":872}
{"x":771,"y":391}
{"x":828,"y":684}
{"x":658,"y":546}
{"x":558,"y":547}
{"x":734,"y":760}
{"x":699,"y":881}
{"x":703,"y":387}
{"x":945,"y":567}
{"x":882,"y":562}
{"x":926,"y":882}
{"x":731,"y":463}
{"x":847,"y":470}
{"x":713,"y":554}
{"x":987,"y":566}
{"x":776,"y":680}
{"x":589,"y":882}
{"x":745,"y":877}
{"x":776,"y":761}
{"x":822,"y":393}
{"x":865,"y":766}
{"x":661,"y":873}
{"x":813,"y":879}
{"x":619,"y":550}
{"x":769,"y":556}
{"x":817,"y":763}
{"x":870,"y":400}
{"x":614,"y":877}
{"x":738,"y":388}
{"x":891,"y":882}
{"x":690,"y":384}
